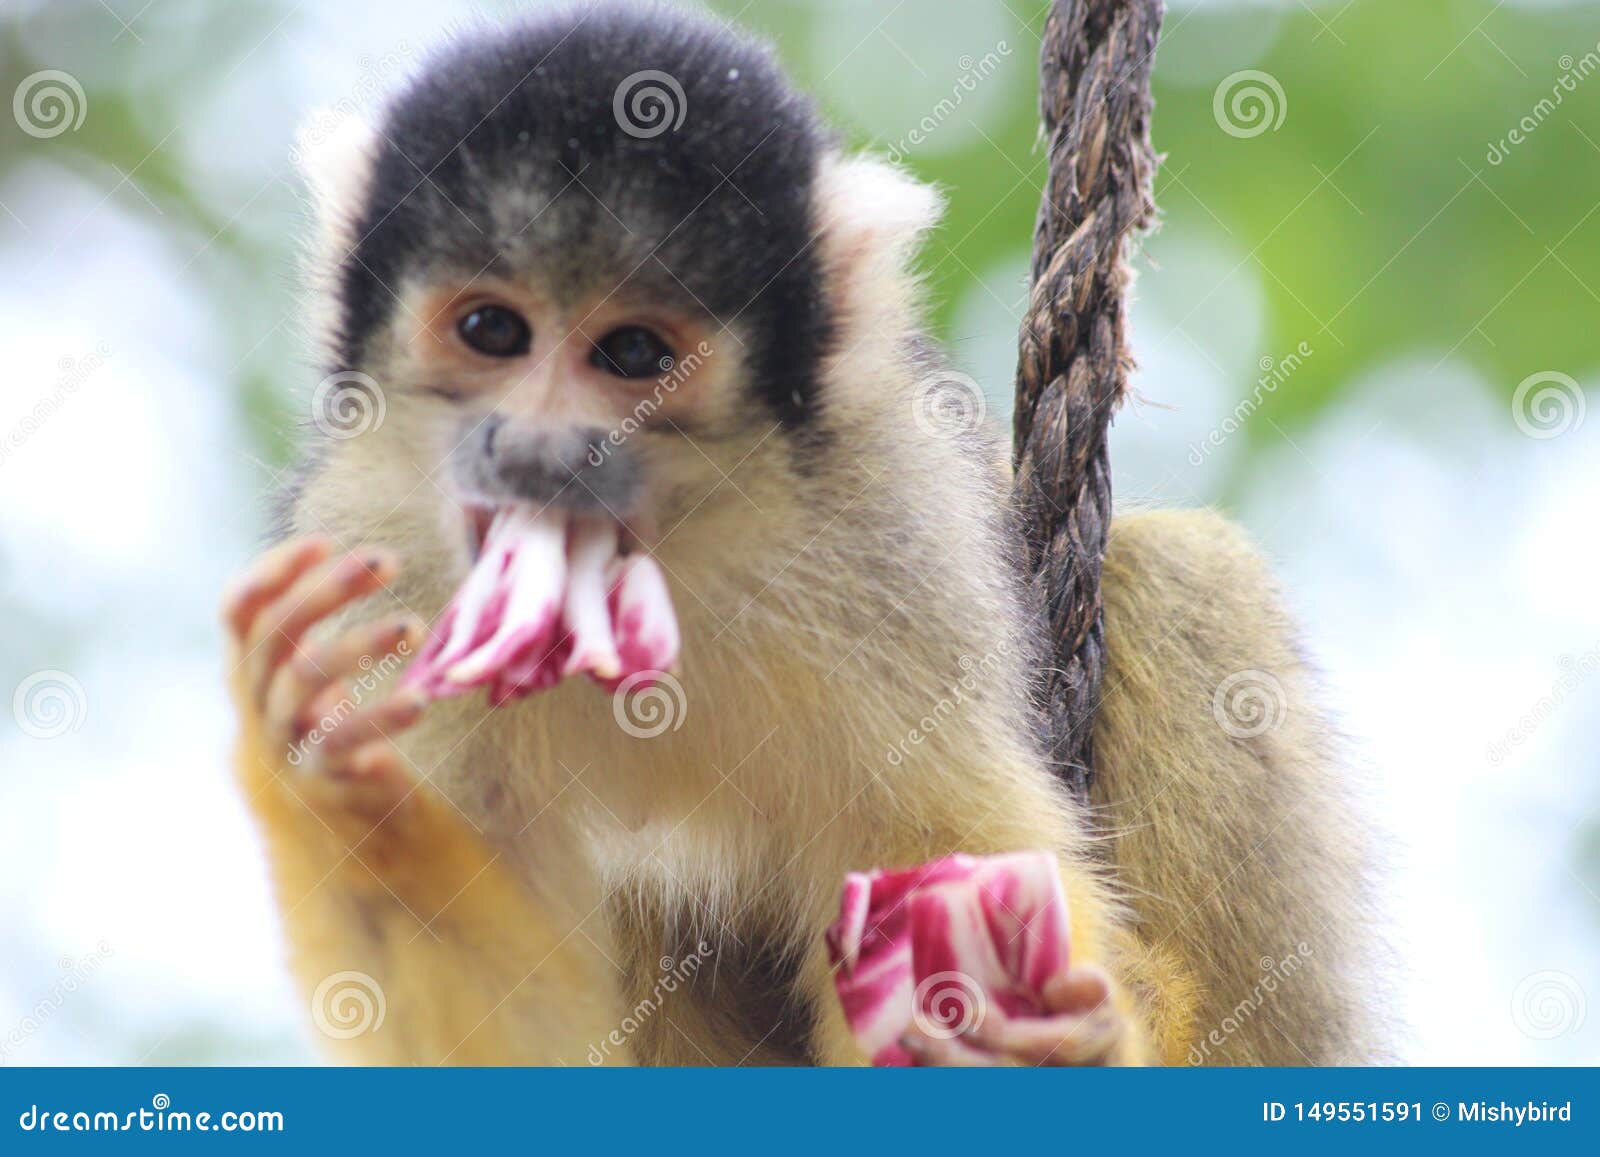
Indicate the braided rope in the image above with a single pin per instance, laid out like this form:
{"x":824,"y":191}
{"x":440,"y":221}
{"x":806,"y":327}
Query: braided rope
{"x":1073,"y":364}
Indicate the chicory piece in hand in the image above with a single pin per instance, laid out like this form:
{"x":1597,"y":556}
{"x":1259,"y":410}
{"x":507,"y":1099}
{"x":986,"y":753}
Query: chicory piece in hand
{"x":939,"y":944}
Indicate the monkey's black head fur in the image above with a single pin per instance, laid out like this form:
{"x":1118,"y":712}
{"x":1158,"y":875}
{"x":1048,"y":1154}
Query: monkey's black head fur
{"x":538,"y":150}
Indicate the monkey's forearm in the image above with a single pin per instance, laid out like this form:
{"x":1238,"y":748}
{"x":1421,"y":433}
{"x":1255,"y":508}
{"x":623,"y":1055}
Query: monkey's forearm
{"x":466,"y":966}
{"x":1150,"y":992}
{"x":388,"y":896}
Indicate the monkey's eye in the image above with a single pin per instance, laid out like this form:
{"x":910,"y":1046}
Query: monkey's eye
{"x":496,"y":331}
{"x":631,"y":351}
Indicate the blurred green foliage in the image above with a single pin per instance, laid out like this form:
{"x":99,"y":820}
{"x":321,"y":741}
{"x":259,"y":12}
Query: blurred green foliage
{"x":1372,"y":216}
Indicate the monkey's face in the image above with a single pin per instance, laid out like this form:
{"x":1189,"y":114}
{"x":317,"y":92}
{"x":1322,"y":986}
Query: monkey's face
{"x":597,"y":404}
{"x":566,"y":307}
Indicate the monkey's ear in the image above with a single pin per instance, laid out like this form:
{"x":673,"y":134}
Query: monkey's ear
{"x":334,"y":152}
{"x":872,"y":215}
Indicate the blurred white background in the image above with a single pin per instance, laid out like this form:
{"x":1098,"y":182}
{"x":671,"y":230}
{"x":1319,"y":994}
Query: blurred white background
{"x":1441,"y":556}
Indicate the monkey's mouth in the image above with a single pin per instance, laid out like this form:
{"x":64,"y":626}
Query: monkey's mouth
{"x":551,"y":594}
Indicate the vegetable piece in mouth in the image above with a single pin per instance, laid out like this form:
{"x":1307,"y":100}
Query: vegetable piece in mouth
{"x":939,"y":944}
{"x":550,"y":595}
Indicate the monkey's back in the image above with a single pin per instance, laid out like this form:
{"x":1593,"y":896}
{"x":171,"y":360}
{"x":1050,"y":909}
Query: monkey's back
{"x":1231,"y":810}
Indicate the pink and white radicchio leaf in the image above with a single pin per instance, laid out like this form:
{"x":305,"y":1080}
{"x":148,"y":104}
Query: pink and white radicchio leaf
{"x":938,"y":944}
{"x":550,"y":595}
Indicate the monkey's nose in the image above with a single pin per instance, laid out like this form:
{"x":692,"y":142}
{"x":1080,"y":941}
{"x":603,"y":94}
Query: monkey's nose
{"x":574,"y":468}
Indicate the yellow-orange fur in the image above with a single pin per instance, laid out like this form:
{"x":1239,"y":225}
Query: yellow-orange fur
{"x":522,"y":903}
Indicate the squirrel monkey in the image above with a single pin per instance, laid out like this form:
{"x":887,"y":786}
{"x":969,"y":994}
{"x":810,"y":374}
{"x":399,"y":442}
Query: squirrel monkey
{"x":508,"y":260}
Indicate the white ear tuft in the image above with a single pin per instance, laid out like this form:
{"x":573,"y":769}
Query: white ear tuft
{"x":334,"y":152}
{"x":868,"y":206}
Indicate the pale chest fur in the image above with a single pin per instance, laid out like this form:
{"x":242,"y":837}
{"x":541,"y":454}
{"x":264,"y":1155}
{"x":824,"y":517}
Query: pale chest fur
{"x":745,"y":786}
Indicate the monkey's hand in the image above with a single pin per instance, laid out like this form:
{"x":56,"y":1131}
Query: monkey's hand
{"x":303,"y":727}
{"x":378,"y":876}
{"x":1082,"y":1026}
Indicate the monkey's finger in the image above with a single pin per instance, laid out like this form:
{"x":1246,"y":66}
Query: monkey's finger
{"x":378,"y":774}
{"x":946,"y":1051}
{"x":1081,"y":989}
{"x":292,"y":695}
{"x":266,"y":578}
{"x":315,"y":595}
{"x":377,"y":721}
{"x":1066,"y":1039}
{"x":371,"y":781}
